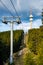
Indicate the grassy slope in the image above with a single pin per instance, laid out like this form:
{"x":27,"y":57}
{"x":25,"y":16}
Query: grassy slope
{"x":37,"y":34}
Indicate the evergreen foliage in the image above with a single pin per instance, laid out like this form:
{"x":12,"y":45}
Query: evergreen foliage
{"x":5,"y":43}
{"x":35,"y":46}
{"x":35,"y":37}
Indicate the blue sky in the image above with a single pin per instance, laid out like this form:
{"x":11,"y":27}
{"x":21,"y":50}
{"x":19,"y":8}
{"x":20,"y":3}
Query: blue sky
{"x":23,"y":8}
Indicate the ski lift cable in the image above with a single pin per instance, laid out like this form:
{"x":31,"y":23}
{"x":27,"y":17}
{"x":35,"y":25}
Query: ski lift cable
{"x":6,"y":8}
{"x":14,"y":8}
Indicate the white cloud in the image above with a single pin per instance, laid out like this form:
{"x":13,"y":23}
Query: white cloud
{"x":4,"y":27}
{"x":37,"y":23}
{"x":24,"y":26}
{"x":34,"y":4}
{"x":18,"y":5}
{"x":25,"y":5}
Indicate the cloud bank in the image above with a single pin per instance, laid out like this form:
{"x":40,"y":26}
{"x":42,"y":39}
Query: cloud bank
{"x":24,"y":5}
{"x":23,"y":8}
{"x":23,"y":26}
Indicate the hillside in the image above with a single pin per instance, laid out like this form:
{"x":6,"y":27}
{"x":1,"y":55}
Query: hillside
{"x":35,"y":45}
{"x":31,"y":52}
{"x":35,"y":38}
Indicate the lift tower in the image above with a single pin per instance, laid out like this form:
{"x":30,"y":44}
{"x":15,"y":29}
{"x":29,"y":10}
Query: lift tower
{"x":11,"y":35}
